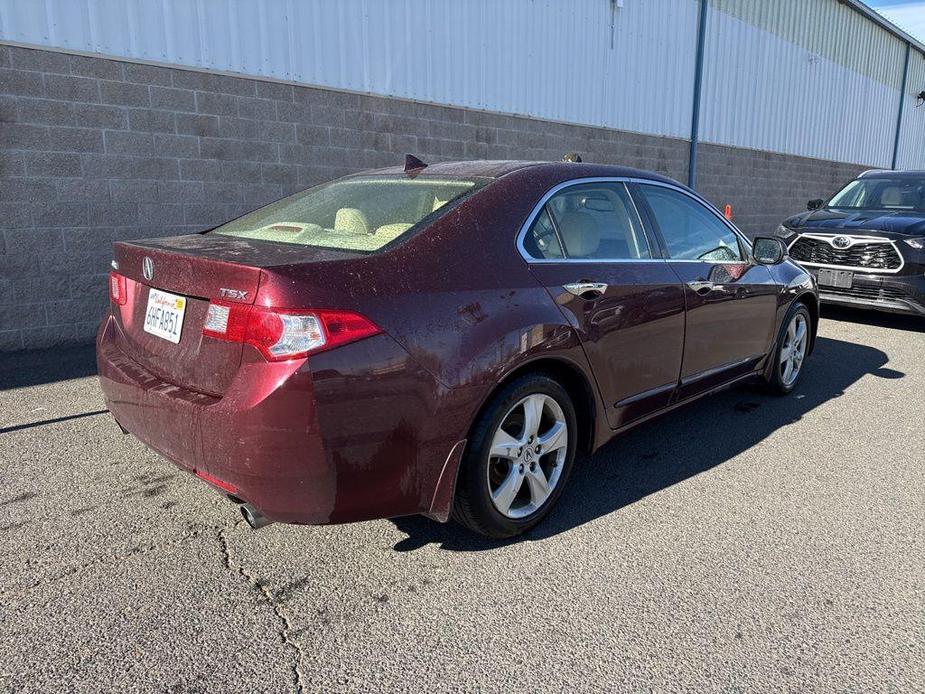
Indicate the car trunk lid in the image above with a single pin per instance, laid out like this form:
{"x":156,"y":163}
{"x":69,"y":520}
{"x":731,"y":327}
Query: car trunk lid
{"x":193,"y":270}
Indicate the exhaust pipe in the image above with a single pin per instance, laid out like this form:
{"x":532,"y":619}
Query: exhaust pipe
{"x":254,"y":518}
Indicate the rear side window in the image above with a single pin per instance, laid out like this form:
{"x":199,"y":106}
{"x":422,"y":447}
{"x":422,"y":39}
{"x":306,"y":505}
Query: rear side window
{"x":691,"y":231}
{"x":588,"y":221}
{"x":363,"y":213}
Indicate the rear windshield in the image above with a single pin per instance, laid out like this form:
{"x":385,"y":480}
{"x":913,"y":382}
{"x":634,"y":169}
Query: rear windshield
{"x":361,"y":213}
{"x":882,"y":194}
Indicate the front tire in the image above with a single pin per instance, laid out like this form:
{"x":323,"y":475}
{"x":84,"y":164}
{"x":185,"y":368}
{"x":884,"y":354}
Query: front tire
{"x":520,"y":453}
{"x":791,"y":351}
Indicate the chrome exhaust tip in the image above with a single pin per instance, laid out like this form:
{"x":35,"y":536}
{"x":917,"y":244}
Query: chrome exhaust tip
{"x":254,"y":518}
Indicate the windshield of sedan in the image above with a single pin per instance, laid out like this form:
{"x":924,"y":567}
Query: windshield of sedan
{"x":881,"y":194}
{"x":361,"y":213}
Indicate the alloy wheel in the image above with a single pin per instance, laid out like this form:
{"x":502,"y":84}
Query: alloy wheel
{"x":793,"y":350}
{"x":527,"y":455}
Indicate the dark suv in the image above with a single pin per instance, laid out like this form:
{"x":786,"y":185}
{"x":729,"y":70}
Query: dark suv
{"x":866,"y":245}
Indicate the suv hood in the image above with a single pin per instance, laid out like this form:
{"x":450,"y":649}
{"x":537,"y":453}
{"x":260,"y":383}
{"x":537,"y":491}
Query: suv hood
{"x":894,"y":223}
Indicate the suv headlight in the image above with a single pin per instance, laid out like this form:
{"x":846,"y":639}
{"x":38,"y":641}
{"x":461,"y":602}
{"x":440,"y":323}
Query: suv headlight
{"x":917,"y":244}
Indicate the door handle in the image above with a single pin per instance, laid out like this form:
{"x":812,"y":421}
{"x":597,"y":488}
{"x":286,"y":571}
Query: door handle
{"x":583,"y":288}
{"x":701,"y":286}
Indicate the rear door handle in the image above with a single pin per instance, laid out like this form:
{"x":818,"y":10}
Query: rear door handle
{"x":583,"y":288}
{"x":701,"y":286}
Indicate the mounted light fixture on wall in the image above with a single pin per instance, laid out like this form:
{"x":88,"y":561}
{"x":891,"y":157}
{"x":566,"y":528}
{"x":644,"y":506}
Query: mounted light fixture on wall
{"x":920,"y":98}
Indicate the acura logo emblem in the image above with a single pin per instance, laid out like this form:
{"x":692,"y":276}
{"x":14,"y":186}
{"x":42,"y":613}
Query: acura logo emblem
{"x":147,"y":268}
{"x":841,"y":242}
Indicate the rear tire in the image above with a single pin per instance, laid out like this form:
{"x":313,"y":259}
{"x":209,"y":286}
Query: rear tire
{"x":791,"y":350}
{"x":518,"y":459}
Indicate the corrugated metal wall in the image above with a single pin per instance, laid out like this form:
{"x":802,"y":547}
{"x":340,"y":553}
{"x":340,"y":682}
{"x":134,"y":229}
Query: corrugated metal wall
{"x":804,"y":77}
{"x":912,"y":136}
{"x":772,"y":83}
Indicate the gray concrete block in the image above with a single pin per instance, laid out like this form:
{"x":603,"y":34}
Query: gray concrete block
{"x":12,"y":163}
{"x":221,"y":191}
{"x":21,"y":83}
{"x":39,"y":60}
{"x":20,"y":316}
{"x":202,"y":126}
{"x":149,"y":120}
{"x":237,"y":128}
{"x":216,"y":104}
{"x":70,"y":88}
{"x":200,"y":170}
{"x":124,"y":93}
{"x":53,"y":164}
{"x":280,"y":173}
{"x":237,"y":150}
{"x":180,"y":191}
{"x":73,"y":139}
{"x":110,"y":214}
{"x":45,"y":111}
{"x":276,"y":132}
{"x":100,"y":116}
{"x":258,"y":109}
{"x":13,"y":215}
{"x":274,"y":90}
{"x":161,"y":214}
{"x":134,"y":191}
{"x":148,"y":74}
{"x":180,"y":146}
{"x":26,"y":190}
{"x":173,"y":99}
{"x":86,"y":66}
{"x":82,"y":189}
{"x":59,"y":214}
{"x":125,"y":142}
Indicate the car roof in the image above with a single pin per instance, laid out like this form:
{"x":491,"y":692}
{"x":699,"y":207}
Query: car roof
{"x":490,"y":168}
{"x":886,"y":173}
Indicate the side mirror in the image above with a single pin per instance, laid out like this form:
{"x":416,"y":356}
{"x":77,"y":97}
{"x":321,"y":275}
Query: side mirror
{"x":768,"y":250}
{"x":815,"y":204}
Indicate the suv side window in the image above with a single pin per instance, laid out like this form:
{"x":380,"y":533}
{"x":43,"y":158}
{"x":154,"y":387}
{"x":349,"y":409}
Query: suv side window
{"x":690,"y":230}
{"x":588,"y":221}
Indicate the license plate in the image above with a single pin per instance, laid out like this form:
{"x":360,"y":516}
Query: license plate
{"x":842,"y":279}
{"x":164,"y":316}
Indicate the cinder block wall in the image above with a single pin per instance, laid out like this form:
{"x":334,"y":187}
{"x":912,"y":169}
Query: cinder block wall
{"x":95,"y":150}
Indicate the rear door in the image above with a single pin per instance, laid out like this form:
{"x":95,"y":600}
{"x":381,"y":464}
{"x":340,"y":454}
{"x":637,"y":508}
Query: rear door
{"x":588,"y":247}
{"x":731,"y":302}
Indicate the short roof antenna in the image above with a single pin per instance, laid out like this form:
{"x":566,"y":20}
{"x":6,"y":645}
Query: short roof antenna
{"x":412,"y":163}
{"x":573,"y":157}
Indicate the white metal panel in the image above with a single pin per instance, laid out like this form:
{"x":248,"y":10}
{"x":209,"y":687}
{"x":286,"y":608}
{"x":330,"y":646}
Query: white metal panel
{"x":912,"y":135}
{"x":762,"y":91}
{"x":543,"y":58}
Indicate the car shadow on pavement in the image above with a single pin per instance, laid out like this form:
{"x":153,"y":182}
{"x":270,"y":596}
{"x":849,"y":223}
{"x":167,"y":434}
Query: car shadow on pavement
{"x":674,"y":448}
{"x":22,"y":369}
{"x":879,"y":319}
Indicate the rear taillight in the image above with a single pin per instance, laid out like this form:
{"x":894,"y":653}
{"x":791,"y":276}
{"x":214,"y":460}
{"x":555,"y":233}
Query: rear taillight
{"x":117,"y":290}
{"x":282,"y":334}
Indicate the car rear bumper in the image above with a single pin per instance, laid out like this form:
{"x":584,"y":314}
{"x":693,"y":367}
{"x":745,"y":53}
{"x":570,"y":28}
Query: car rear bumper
{"x":892,"y":293}
{"x":260,"y":439}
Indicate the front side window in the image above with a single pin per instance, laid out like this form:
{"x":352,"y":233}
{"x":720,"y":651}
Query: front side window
{"x":363,"y":213}
{"x":881,"y":194}
{"x":588,"y":221}
{"x":690,"y":230}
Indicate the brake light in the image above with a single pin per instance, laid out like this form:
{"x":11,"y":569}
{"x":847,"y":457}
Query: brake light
{"x":117,"y":290}
{"x":282,"y":334}
{"x":221,"y":484}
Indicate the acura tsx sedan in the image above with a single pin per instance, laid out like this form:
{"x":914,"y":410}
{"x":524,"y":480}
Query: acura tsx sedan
{"x":866,"y":245}
{"x":442,"y":339}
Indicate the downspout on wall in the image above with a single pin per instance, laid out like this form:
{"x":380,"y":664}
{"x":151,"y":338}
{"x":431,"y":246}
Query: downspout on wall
{"x":698,"y":81}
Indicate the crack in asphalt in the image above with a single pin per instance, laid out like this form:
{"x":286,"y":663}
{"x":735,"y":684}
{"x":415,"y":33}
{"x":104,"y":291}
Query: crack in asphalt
{"x":266,"y":594}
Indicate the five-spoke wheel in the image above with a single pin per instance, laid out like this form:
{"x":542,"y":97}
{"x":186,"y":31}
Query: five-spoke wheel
{"x":518,"y":457}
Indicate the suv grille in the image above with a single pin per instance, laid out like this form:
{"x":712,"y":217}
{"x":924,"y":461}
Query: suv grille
{"x":873,"y":256}
{"x":863,"y":292}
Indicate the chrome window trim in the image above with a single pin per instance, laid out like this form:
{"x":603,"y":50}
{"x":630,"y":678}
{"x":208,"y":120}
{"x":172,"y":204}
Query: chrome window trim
{"x":855,"y":239}
{"x":538,"y":208}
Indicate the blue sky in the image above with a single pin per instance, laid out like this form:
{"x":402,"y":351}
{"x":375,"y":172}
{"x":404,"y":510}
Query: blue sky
{"x":906,"y":14}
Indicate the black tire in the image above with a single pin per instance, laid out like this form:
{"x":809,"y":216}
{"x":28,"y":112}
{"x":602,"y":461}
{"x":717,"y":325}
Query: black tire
{"x":776,"y":382}
{"x":473,"y":506}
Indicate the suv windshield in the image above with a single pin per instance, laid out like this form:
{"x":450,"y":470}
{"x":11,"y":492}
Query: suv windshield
{"x":882,"y":194}
{"x":361,"y":213}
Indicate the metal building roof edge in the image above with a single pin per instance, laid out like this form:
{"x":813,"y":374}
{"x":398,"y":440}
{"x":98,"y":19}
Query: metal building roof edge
{"x":887,"y":25}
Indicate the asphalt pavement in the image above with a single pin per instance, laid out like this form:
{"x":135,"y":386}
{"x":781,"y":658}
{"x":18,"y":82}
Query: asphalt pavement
{"x":746,"y":543}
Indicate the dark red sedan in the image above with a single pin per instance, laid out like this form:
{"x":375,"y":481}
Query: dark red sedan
{"x":440,"y":339}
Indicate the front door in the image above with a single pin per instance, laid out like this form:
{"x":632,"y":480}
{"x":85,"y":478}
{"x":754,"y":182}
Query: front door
{"x":589,"y":249}
{"x":731,"y":302}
